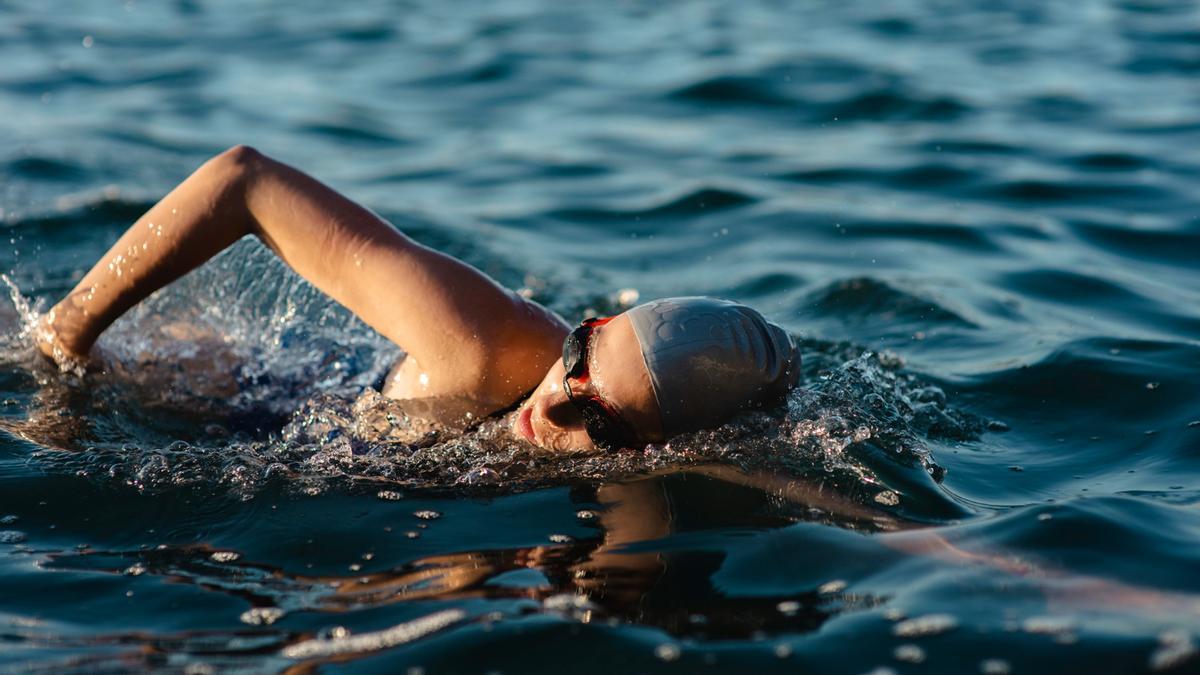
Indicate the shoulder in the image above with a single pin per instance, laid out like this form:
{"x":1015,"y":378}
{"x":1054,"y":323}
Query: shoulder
{"x":514,"y":361}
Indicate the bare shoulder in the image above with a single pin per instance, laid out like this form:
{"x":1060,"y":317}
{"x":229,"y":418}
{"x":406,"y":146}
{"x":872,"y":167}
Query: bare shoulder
{"x":518,"y":357}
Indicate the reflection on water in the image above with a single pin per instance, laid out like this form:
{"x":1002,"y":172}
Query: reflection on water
{"x":669,"y":552}
{"x":615,"y":575}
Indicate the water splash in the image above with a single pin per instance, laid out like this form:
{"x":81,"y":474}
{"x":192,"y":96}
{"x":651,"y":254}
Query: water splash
{"x":242,"y":377}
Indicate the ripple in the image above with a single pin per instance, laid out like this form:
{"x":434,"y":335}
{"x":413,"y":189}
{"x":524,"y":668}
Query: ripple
{"x":1056,"y":108}
{"x":1110,"y":161}
{"x":890,"y":104}
{"x":1100,"y":382}
{"x":45,"y":168}
{"x":866,"y":298}
{"x":730,"y":90}
{"x":1068,"y":286}
{"x":931,"y":176}
{"x":356,"y":132}
{"x":81,"y":211}
{"x":698,"y":202}
{"x":971,"y":146}
{"x":953,"y":236}
{"x":1066,"y":191}
{"x":1120,"y":239}
{"x":496,"y":69}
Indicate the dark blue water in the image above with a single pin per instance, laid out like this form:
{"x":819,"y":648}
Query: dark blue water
{"x":981,"y":219}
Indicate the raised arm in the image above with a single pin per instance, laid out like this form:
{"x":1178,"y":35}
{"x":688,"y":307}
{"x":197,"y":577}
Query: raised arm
{"x":463,"y":332}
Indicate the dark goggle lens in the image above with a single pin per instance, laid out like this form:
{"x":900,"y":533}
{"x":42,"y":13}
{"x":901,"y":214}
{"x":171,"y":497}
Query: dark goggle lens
{"x":601,"y":427}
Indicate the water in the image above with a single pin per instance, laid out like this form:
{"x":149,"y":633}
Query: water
{"x":980,"y":220}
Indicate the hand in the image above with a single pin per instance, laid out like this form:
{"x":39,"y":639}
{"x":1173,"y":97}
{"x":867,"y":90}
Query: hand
{"x":48,"y":340}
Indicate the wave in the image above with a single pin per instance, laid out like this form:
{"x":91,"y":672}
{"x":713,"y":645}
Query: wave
{"x":939,"y":176}
{"x":870,"y":299}
{"x":697,"y":202}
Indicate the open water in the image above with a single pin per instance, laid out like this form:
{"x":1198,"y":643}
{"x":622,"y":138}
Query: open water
{"x":981,"y":218}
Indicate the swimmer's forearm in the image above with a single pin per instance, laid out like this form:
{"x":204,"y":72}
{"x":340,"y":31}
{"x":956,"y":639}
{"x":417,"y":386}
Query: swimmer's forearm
{"x":194,"y":222}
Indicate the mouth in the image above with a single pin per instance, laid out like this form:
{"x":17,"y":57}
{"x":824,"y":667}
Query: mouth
{"x":524,"y":425}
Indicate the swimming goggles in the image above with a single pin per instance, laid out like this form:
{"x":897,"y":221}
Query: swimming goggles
{"x":604,"y":425}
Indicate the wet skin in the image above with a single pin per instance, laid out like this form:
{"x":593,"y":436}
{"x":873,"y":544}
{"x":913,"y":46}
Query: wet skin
{"x":618,"y":375}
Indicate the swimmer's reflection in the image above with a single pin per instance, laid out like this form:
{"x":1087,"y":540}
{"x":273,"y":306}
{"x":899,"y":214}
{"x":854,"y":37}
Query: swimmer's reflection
{"x":629,"y":572}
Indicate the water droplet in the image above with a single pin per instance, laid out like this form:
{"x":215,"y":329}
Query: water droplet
{"x":835,"y":586}
{"x":994,"y":667}
{"x":783,"y":651}
{"x":1175,"y":648}
{"x":225,"y":556}
{"x":1046,"y":625}
{"x":135,"y":570}
{"x":788,"y":607}
{"x":427,"y":514}
{"x":909,"y":654}
{"x":668,"y":652}
{"x":887,"y":498}
{"x":88,"y":41}
{"x":1152,"y":386}
{"x":922,"y":626}
{"x":561,"y":538}
{"x":584,"y":514}
{"x":389,"y":495}
{"x":261,"y":616}
{"x":411,"y":534}
{"x":628,"y":297}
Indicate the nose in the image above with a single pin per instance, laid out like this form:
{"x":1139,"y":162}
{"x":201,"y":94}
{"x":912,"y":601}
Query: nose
{"x":560,"y":412}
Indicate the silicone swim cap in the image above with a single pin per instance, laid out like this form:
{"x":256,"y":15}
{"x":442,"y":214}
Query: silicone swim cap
{"x":710,"y":358}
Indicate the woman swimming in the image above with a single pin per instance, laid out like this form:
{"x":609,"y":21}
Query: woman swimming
{"x":472,"y":347}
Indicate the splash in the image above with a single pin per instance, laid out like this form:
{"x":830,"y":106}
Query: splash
{"x":230,"y":382}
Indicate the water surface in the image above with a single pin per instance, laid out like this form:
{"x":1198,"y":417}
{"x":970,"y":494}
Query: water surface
{"x":980,"y":219}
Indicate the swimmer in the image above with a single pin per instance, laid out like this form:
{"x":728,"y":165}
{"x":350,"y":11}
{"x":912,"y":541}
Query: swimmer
{"x":472,"y":348}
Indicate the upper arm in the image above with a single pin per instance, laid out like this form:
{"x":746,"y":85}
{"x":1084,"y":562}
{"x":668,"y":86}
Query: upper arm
{"x":469,"y":334}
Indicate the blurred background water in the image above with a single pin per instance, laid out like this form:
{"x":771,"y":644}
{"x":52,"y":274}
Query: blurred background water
{"x":980,"y":217}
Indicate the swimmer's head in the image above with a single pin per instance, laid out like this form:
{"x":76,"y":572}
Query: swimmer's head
{"x":658,"y":370}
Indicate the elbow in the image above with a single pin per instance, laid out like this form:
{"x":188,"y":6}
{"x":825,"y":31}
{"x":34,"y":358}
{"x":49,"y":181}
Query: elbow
{"x":237,"y":163}
{"x":241,"y":155}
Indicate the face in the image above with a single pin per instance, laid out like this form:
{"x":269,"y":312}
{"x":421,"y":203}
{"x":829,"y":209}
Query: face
{"x":548,"y":419}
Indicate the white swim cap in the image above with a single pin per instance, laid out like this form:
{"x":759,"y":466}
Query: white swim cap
{"x":710,"y":358}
